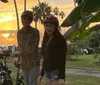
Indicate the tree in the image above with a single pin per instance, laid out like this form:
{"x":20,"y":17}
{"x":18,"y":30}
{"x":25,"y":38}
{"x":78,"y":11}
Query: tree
{"x":78,"y":1}
{"x":62,"y":14}
{"x":24,"y":5}
{"x":87,"y":12}
{"x":40,"y":12}
{"x":36,"y":14}
{"x":56,"y":11}
{"x":94,"y":39}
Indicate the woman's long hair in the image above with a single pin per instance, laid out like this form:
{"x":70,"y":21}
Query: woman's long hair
{"x":46,"y":38}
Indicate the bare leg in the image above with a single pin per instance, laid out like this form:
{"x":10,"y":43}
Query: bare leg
{"x":48,"y":82}
{"x":55,"y":82}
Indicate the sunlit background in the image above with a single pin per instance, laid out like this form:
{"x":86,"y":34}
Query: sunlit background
{"x":6,"y":35}
{"x":8,"y":21}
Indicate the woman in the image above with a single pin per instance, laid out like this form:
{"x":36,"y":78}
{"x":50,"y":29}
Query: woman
{"x":54,"y":53}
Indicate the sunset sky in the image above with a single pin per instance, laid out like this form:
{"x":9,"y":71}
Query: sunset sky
{"x":8,"y":24}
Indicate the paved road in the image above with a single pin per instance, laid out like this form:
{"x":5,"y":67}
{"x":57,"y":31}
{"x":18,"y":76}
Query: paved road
{"x":83,"y":72}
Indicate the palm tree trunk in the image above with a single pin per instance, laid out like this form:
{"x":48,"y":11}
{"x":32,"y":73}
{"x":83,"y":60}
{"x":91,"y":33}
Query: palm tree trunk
{"x":16,"y":14}
{"x":24,"y":5}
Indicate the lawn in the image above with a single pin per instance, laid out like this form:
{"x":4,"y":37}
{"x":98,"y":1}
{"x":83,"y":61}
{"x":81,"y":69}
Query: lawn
{"x":84,"y":62}
{"x":73,"y":79}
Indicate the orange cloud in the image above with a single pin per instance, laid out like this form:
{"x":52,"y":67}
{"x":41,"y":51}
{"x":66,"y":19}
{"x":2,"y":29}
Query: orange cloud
{"x":4,"y":40}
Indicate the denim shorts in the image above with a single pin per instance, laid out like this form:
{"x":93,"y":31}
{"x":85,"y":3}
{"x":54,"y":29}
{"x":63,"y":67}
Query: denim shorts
{"x":53,"y":75}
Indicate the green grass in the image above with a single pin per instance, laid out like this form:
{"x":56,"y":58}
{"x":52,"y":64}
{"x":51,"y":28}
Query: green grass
{"x":73,"y":79}
{"x":84,"y":62}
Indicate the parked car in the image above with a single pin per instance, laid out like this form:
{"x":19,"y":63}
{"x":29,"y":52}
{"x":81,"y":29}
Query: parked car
{"x":87,"y":51}
{"x":84,"y":51}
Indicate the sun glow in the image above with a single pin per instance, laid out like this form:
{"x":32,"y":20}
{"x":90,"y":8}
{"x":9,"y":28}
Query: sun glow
{"x":6,"y":18}
{"x":6,"y":35}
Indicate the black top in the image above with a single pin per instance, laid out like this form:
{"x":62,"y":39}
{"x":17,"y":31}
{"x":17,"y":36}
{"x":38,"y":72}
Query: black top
{"x":54,"y":55}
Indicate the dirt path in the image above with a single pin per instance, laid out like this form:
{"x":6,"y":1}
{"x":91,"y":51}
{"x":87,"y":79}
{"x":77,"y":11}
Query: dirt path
{"x":83,"y":72}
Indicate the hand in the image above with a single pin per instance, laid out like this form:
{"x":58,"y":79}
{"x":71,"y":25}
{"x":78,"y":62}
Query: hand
{"x":39,"y":80}
{"x":17,"y":64}
{"x":61,"y":81}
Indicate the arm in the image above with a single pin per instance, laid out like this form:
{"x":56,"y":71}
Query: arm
{"x":62,"y":59}
{"x":19,"y":41}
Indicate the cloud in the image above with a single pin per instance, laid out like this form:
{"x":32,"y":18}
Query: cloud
{"x":8,"y":31}
{"x":8,"y":21}
{"x":12,"y":33}
{"x":59,"y":1}
{"x":6,"y":41}
{"x":11,"y":39}
{"x":7,"y":10}
{"x":6,"y":17}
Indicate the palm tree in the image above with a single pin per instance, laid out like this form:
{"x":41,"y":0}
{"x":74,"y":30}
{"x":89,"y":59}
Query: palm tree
{"x":36,"y":14}
{"x":62,"y":14}
{"x":45,"y":10}
{"x":56,"y":11}
{"x":40,"y":12}
{"x":24,"y":5}
{"x":42,"y":6}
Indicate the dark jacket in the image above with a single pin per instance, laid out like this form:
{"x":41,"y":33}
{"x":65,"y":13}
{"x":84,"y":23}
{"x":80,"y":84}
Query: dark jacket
{"x":54,"y":55}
